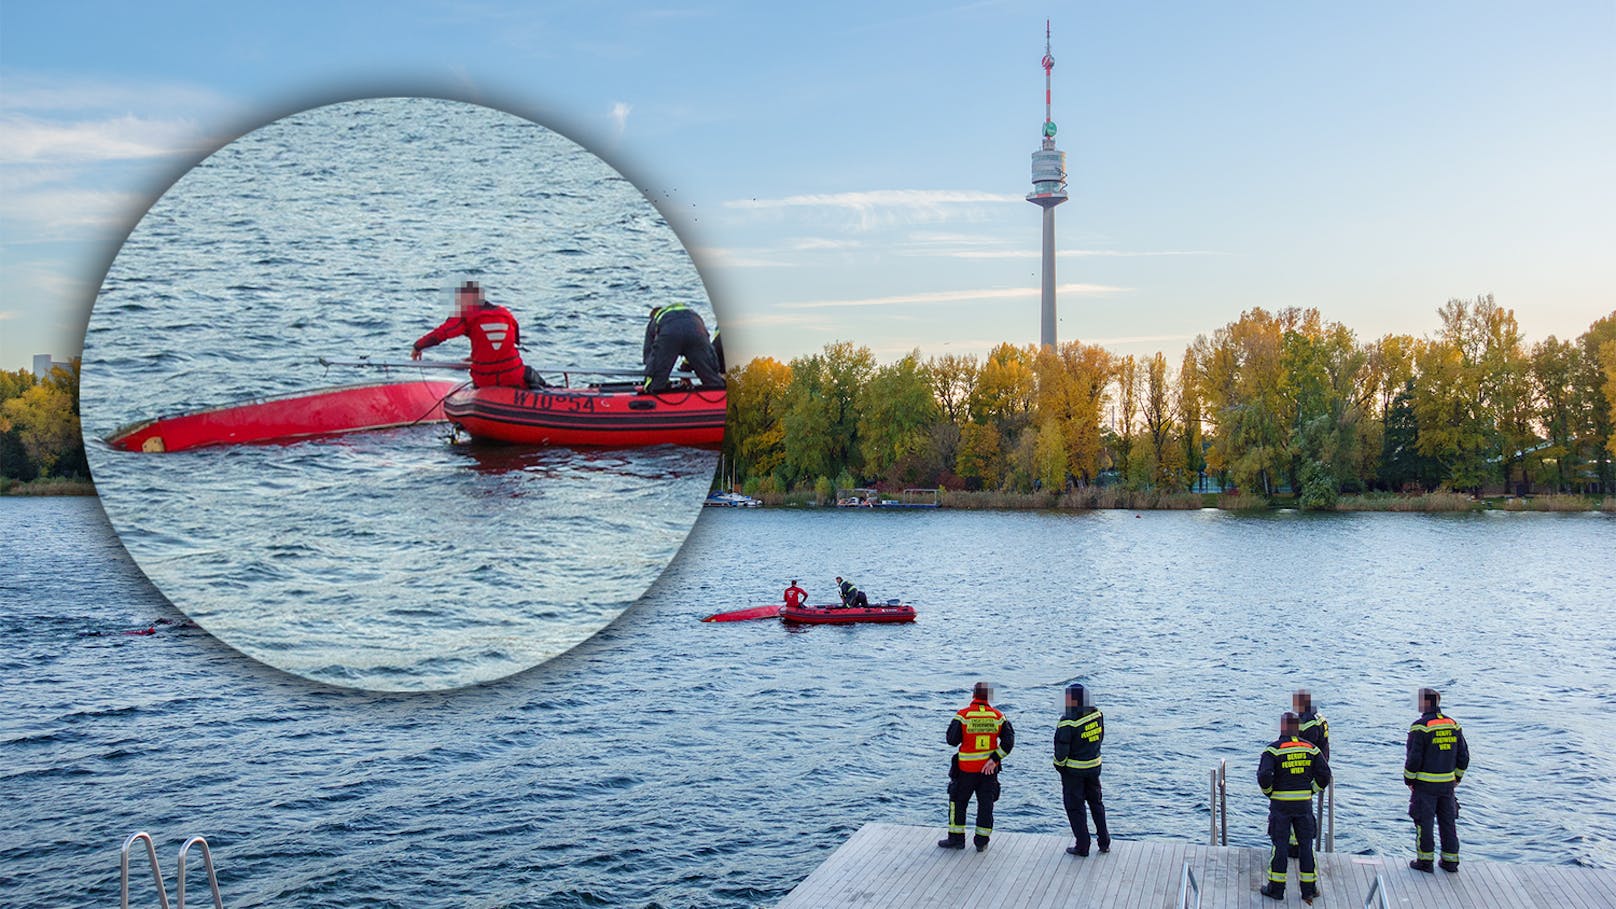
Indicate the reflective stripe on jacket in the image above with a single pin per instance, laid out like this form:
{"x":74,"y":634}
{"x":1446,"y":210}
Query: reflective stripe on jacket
{"x":1078,"y":735}
{"x":1436,"y":751}
{"x":981,"y":732}
{"x":1292,"y":770}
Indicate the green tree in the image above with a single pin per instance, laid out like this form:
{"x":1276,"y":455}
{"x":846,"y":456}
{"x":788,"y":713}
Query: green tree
{"x":896,"y":414}
{"x":981,"y":456}
{"x":821,"y":418}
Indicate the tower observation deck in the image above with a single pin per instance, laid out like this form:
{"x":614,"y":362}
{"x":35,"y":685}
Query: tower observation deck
{"x":1048,"y":191}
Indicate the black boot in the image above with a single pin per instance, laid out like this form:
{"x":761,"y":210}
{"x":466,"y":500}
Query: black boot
{"x":1450,"y":867}
{"x":981,"y":844}
{"x":1273,"y":891}
{"x":1422,"y":865}
{"x":1073,"y":850}
{"x":952,"y":841}
{"x":1309,"y":894}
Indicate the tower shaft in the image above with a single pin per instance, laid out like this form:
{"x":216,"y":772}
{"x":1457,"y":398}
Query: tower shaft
{"x":1048,"y":191}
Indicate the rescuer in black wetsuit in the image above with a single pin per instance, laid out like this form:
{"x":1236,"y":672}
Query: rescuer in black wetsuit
{"x":1313,"y":727}
{"x":984,"y":738}
{"x":1078,"y":735}
{"x":675,"y":331}
{"x":852,"y":597}
{"x":1291,"y":770}
{"x":1435,"y":760}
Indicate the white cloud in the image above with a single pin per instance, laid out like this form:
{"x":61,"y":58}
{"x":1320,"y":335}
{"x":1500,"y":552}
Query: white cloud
{"x":58,"y":94}
{"x":619,"y":115}
{"x":26,"y":140}
{"x":722,"y":257}
{"x":886,"y":206}
{"x":957,"y":296}
{"x":52,"y":214}
{"x":806,"y":244}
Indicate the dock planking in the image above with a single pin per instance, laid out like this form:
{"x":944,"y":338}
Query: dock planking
{"x":892,"y":866}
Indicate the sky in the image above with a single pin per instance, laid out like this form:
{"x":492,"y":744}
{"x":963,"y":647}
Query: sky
{"x":855,"y":171}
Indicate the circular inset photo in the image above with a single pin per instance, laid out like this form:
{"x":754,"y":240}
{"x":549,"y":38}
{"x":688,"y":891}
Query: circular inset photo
{"x":402,"y":394}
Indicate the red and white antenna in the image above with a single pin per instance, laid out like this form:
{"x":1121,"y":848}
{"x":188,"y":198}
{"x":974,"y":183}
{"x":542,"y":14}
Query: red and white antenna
{"x":1049,"y":66}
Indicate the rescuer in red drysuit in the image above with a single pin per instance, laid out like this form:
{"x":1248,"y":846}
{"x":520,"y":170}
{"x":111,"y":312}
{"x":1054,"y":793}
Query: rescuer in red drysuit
{"x":794,"y":595}
{"x":493,"y":334}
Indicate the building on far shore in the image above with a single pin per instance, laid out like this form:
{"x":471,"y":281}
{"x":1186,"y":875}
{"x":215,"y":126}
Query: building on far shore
{"x":43,"y":364}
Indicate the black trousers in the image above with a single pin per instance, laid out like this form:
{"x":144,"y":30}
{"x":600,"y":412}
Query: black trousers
{"x":857,"y":601}
{"x":1285,"y":819}
{"x":960,"y":789}
{"x":678,"y":335}
{"x":1081,"y":795}
{"x":1428,"y":802}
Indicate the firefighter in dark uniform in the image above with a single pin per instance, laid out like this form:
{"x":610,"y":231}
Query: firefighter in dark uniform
{"x":675,"y":331}
{"x":852,"y":596}
{"x":1078,"y":735}
{"x":984,"y":738}
{"x":1313,"y":728}
{"x":1435,"y":762}
{"x":1291,"y":771}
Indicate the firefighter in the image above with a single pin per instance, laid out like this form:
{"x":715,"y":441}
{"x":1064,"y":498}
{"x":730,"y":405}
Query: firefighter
{"x":1435,"y":762}
{"x":673,"y":331}
{"x":1078,"y":735}
{"x":984,"y":738}
{"x":794,"y":595}
{"x":493,"y":334}
{"x":1291,"y":771}
{"x":851,"y":596}
{"x":1313,"y":728}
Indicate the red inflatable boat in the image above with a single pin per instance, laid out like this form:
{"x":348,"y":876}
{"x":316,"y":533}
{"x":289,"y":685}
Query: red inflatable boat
{"x":604,"y":416}
{"x":352,"y":408}
{"x":836,"y":615}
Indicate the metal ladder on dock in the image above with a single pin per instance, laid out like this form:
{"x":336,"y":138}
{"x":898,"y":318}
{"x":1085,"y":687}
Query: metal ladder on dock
{"x":1189,"y":890}
{"x":1218,"y":799}
{"x":157,"y":873}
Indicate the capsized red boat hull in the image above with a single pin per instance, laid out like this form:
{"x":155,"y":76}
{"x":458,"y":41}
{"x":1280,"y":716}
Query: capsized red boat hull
{"x":836,"y":615}
{"x":351,"y":408}
{"x":589,"y":417}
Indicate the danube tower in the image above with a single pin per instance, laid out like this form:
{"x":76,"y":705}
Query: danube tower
{"x":1048,"y":191}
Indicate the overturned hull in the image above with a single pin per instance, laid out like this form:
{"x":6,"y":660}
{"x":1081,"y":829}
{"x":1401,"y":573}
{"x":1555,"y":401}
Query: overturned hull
{"x":329,"y":411}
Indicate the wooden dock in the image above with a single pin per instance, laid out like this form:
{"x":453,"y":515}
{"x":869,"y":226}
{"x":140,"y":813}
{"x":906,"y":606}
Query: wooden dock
{"x":897,"y":867}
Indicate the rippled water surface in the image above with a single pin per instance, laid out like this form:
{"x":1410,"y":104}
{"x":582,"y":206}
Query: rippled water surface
{"x":667,"y":762}
{"x":389,"y":561}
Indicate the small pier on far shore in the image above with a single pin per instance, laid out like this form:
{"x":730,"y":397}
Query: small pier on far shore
{"x":891,"y":866}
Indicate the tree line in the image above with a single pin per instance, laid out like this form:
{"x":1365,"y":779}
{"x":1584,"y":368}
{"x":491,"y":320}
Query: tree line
{"x":1271,"y":402}
{"x":39,"y":425}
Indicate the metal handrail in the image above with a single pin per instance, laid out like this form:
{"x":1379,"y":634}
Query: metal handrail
{"x":207,"y":863}
{"x":1378,"y":888}
{"x":1327,"y":802}
{"x":1188,"y":886}
{"x":1218,"y":800}
{"x":157,"y":873}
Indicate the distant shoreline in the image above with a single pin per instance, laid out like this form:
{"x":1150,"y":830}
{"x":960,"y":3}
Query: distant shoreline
{"x":52,"y":486}
{"x":1117,"y":500}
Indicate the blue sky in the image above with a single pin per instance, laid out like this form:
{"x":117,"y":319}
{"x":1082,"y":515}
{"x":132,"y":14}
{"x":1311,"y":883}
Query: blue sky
{"x":856,"y":171}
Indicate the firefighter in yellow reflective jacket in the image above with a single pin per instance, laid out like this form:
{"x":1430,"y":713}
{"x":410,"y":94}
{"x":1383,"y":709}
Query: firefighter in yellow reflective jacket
{"x":1291,"y":771}
{"x":1435,"y":760}
{"x":984,"y":737}
{"x":1078,"y":735}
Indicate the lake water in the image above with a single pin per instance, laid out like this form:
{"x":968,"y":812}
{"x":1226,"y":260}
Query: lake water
{"x":671,"y":763}
{"x":389,"y":561}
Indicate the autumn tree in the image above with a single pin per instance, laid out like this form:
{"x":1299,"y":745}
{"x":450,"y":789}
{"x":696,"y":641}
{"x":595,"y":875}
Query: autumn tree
{"x":754,"y":435}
